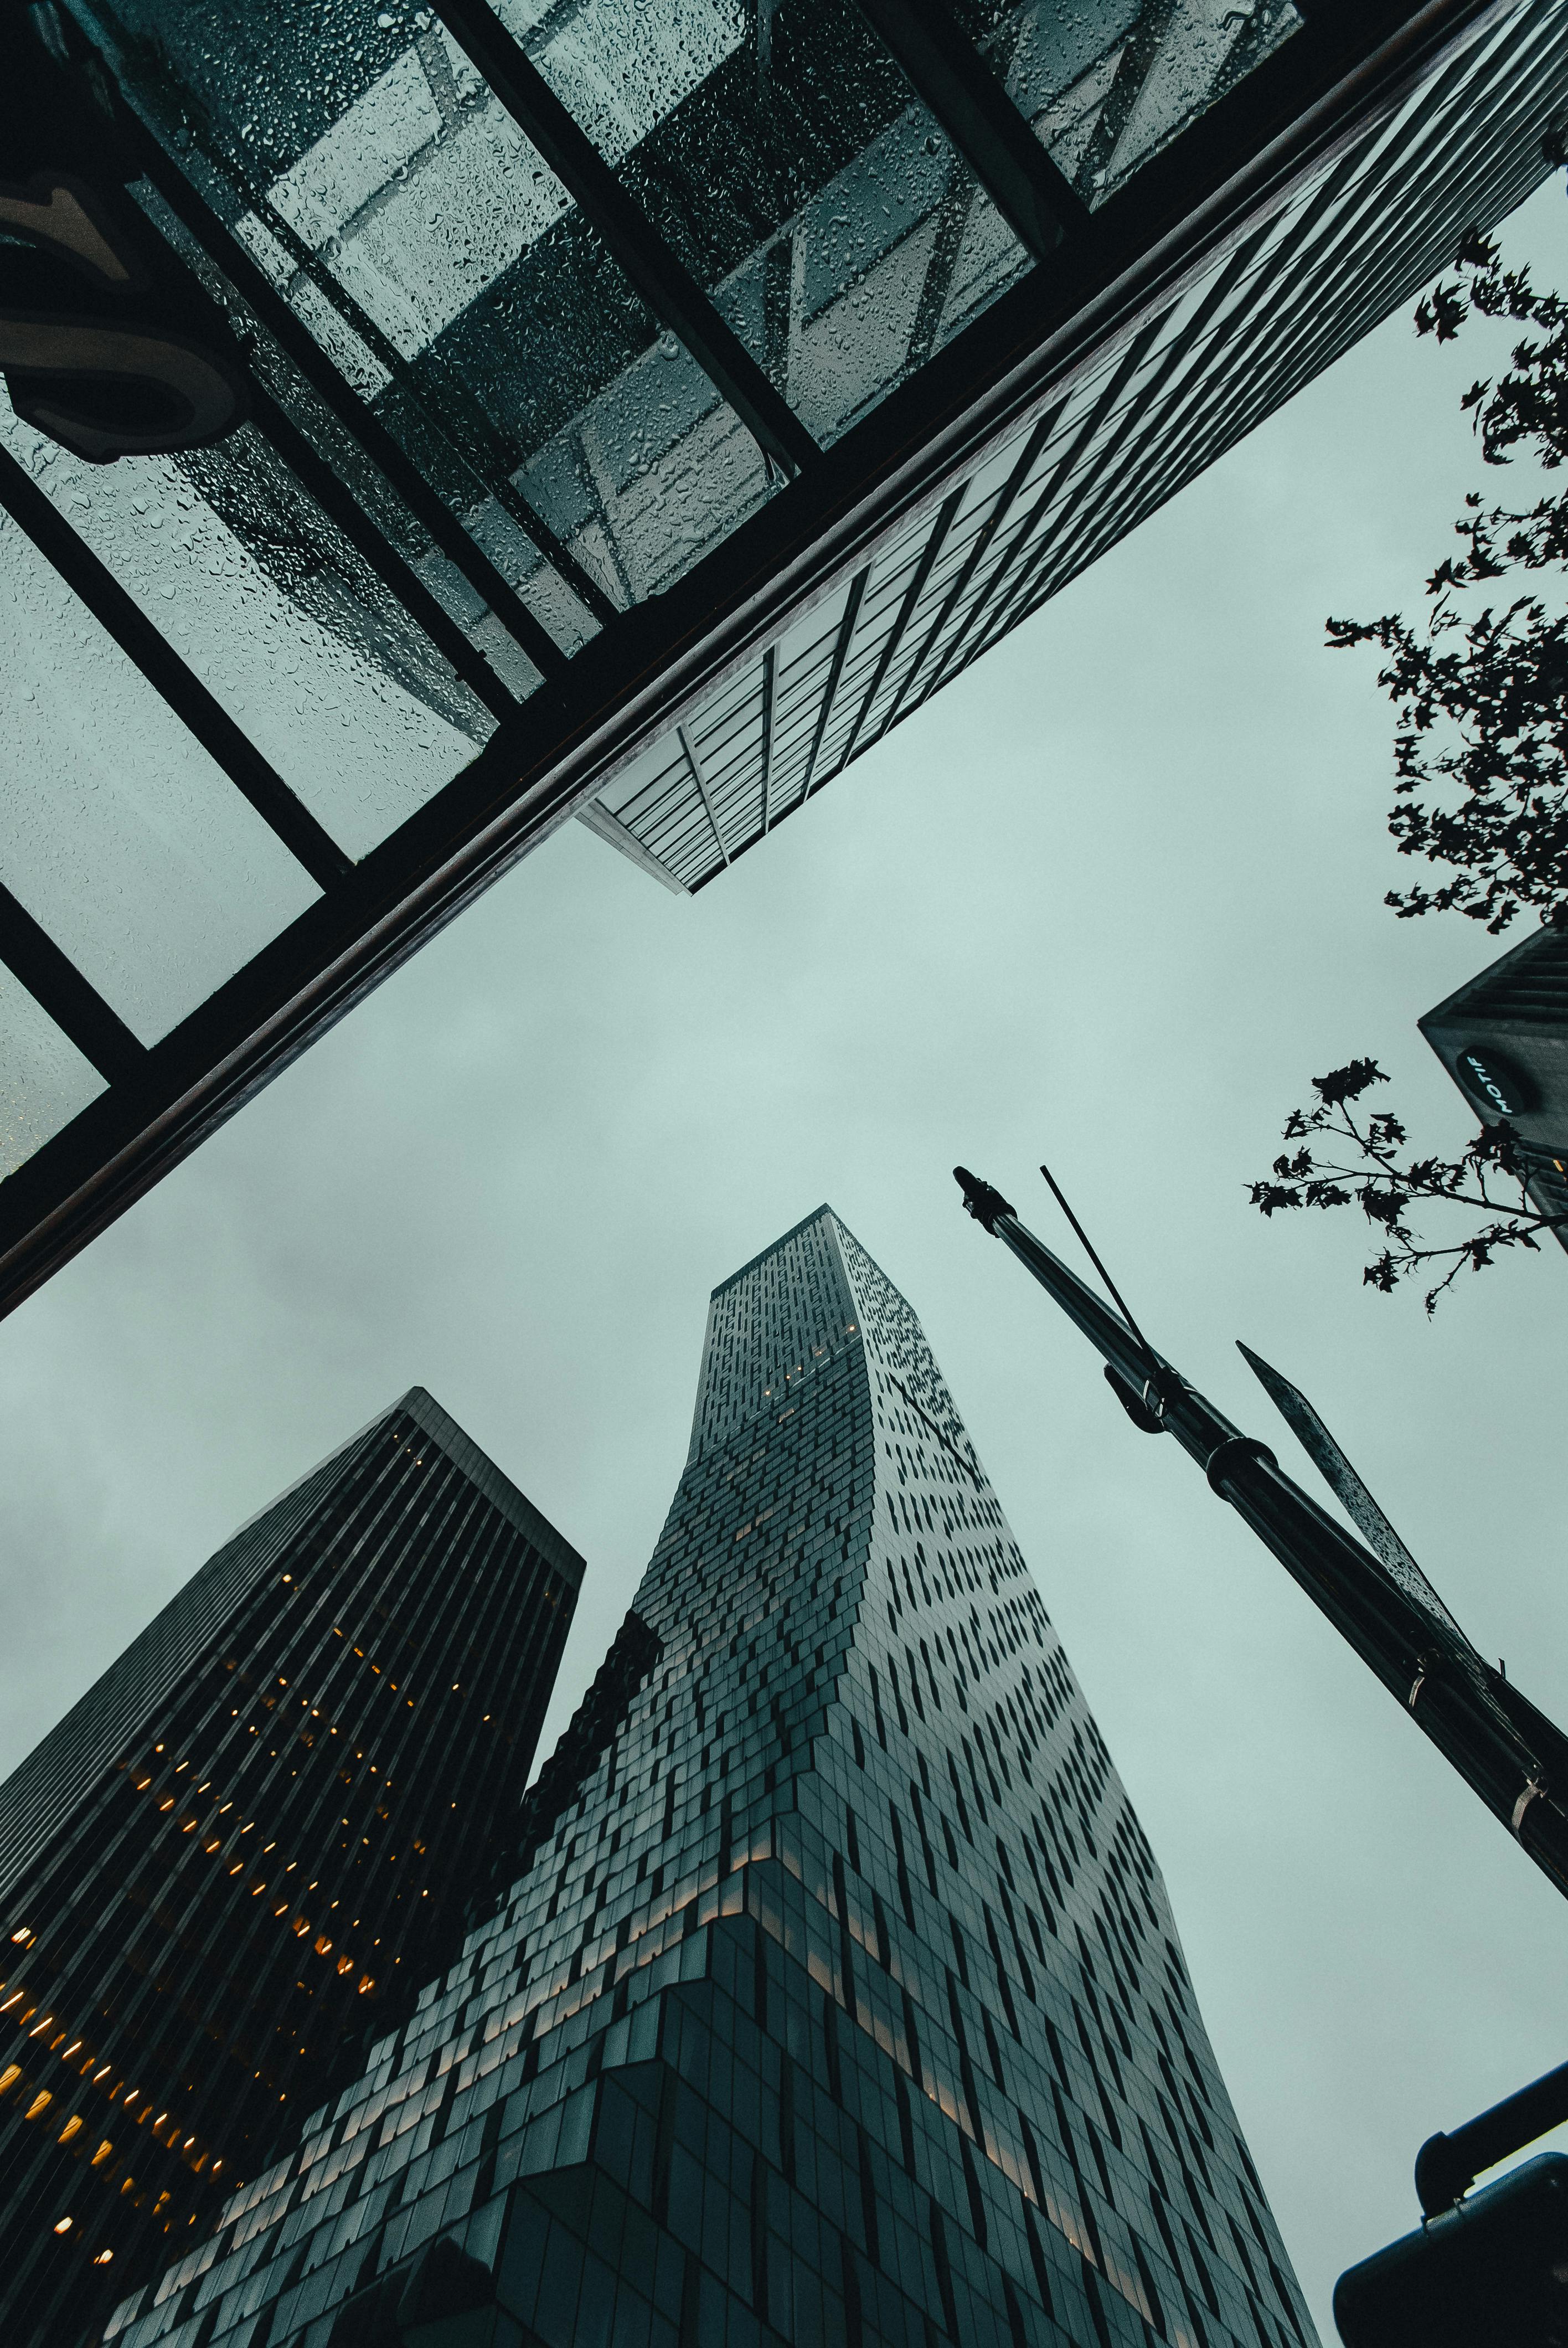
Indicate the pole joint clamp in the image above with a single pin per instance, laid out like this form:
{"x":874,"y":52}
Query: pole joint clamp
{"x":1226,"y":1454}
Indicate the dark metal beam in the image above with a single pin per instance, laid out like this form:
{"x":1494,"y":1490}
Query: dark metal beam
{"x":1039,"y":203}
{"x":668,"y":287}
{"x":225,"y":742}
{"x":770,"y":704}
{"x":58,"y":988}
{"x":355,"y":415}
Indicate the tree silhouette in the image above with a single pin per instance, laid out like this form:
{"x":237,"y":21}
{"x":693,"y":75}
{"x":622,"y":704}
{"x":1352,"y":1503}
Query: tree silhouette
{"x":1391,"y":1185}
{"x":1480,"y":757}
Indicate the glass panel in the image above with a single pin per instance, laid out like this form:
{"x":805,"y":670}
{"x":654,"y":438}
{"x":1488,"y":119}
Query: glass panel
{"x":1106,"y":85}
{"x":278,"y":617}
{"x":781,"y":154}
{"x":44,"y":1079}
{"x":117,"y":831}
{"x":433,"y":254}
{"x":343,"y":444}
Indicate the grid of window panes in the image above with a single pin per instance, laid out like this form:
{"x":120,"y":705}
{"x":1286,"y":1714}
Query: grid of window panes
{"x":1145,"y":414}
{"x":841,"y":2000}
{"x":223,"y":1866}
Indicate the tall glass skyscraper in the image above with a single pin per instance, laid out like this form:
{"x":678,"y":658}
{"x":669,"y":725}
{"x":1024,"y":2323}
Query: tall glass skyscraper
{"x":836,"y":1996}
{"x":221,"y":1869}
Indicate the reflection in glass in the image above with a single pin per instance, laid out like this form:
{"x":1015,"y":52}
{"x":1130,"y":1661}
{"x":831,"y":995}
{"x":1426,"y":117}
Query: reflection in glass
{"x":118,"y":832}
{"x":1106,"y":86}
{"x":785,"y":158}
{"x":781,"y":154}
{"x":418,"y":234}
{"x":44,"y":1079}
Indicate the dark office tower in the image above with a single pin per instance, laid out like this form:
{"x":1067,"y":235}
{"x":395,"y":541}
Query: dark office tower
{"x":234,"y":1859}
{"x":1503,"y":1038}
{"x":838,"y":1999}
{"x":633,"y":409}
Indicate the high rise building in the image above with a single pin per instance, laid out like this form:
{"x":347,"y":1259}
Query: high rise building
{"x":529,"y":410}
{"x":230,"y":1865}
{"x":1503,"y":1038}
{"x":836,"y":1998}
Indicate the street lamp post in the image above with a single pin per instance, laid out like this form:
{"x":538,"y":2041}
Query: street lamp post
{"x":1507,"y":1752}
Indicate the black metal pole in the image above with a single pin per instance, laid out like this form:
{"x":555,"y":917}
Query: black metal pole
{"x":1396,"y":1639}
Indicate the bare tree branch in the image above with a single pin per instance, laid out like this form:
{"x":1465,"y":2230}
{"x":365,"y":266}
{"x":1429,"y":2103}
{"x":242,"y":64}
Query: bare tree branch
{"x":1389,"y":1186}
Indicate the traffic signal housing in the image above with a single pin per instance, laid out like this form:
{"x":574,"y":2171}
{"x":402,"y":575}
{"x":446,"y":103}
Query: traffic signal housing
{"x":1490,"y":2272}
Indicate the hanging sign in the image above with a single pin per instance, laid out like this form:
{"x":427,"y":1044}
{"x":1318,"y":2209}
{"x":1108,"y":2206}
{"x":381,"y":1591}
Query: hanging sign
{"x":1496,"y":1087}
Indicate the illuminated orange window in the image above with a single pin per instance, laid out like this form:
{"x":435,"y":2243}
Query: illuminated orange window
{"x":70,"y":2129}
{"x":9,"y":2077}
{"x":40,"y":2103}
{"x":101,"y":2155}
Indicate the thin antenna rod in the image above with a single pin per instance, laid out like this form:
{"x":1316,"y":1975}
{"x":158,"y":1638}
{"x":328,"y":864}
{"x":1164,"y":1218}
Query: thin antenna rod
{"x":1088,"y":1246}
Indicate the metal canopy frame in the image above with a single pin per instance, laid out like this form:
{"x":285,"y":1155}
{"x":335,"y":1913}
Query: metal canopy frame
{"x":649,"y":664}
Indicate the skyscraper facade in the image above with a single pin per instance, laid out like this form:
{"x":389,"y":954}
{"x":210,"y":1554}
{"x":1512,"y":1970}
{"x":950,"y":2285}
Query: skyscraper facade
{"x":1503,"y":1038}
{"x":428,"y":423}
{"x":836,"y":1996}
{"x":221,"y":1869}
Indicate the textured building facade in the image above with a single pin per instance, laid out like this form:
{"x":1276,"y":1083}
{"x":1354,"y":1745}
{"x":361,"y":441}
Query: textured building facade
{"x":1503,"y":1038}
{"x":625,"y":411}
{"x":836,"y":1999}
{"x":221,"y":1869}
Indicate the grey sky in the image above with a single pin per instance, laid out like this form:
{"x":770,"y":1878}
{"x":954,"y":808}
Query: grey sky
{"x":1113,"y":897}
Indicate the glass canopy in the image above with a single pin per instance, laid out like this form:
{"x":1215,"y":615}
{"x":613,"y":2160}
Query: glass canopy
{"x":427,"y":422}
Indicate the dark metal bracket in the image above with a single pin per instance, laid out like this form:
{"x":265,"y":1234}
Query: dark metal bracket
{"x":1448,"y":2166}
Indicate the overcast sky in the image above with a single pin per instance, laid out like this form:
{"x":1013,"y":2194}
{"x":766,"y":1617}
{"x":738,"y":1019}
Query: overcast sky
{"x":1112,"y":899}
